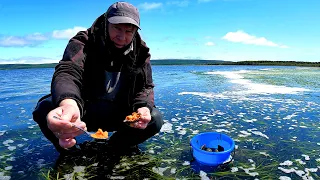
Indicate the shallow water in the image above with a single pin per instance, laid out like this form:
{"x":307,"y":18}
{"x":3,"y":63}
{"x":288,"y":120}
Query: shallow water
{"x":272,"y":114}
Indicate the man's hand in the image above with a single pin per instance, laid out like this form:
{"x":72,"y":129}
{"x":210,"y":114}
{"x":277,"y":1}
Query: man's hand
{"x":145,"y":118}
{"x":67,"y":113}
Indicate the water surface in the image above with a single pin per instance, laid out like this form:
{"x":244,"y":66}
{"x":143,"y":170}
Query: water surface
{"x":272,"y":114}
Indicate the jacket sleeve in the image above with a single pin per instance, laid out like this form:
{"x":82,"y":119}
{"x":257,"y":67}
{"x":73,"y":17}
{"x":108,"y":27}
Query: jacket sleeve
{"x":145,"y":96}
{"x":67,"y":78}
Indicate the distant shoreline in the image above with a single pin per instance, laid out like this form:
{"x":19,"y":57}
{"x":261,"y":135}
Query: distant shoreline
{"x":183,"y":62}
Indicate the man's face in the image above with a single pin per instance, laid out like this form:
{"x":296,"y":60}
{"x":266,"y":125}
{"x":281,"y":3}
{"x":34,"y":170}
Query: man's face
{"x":121,"y":34}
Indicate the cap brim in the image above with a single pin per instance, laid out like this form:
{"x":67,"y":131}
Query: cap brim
{"x":122,"y":20}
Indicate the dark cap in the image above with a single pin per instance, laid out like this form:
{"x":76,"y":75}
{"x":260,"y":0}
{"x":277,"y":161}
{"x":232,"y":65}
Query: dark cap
{"x":123,"y":12}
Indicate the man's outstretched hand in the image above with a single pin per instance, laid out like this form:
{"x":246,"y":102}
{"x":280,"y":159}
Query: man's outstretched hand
{"x":67,"y":113}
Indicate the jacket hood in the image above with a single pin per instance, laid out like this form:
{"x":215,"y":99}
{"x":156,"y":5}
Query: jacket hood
{"x":99,"y":32}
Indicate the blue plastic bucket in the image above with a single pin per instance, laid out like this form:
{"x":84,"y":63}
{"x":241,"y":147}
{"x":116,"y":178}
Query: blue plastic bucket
{"x":211,"y":140}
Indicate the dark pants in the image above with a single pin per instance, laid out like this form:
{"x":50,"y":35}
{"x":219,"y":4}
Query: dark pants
{"x":105,"y":115}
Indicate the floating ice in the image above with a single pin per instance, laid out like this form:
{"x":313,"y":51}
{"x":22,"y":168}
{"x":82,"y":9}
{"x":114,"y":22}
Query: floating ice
{"x":286,"y":163}
{"x":204,"y":176}
{"x":169,"y":160}
{"x":182,"y":132}
{"x":291,"y":170}
{"x":247,"y":170}
{"x":159,"y":170}
{"x":267,"y":118}
{"x":11,"y":148}
{"x":173,"y":170}
{"x":2,"y":132}
{"x":222,"y":130}
{"x":300,"y":172}
{"x":290,"y":116}
{"x":76,"y":170}
{"x":259,"y":134}
{"x":186,"y":163}
{"x":257,"y":88}
{"x":195,"y":132}
{"x":174,"y":119}
{"x":12,"y":158}
{"x":306,"y":157}
{"x":207,"y":95}
{"x":8,"y":168}
{"x":300,"y":161}
{"x":234,"y":169}
{"x":143,"y":163}
{"x":220,"y":125}
{"x":311,"y":170}
{"x":284,"y":178}
{"x":264,"y":153}
{"x":166,"y":127}
{"x":244,"y":134}
{"x":250,"y":121}
{"x":117,"y":177}
{"x":20,"y":145}
{"x":3,"y":177}
{"x":6,"y":142}
{"x":204,"y":118}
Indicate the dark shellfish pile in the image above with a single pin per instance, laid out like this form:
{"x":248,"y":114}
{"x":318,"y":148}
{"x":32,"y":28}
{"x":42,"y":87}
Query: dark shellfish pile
{"x":205,"y":148}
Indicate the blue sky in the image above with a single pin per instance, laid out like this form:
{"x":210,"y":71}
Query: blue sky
{"x":37,"y":31}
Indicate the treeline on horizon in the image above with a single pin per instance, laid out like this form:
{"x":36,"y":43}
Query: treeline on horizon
{"x":184,"y":62}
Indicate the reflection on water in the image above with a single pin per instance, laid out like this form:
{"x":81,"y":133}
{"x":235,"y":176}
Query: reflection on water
{"x":272,"y":114}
